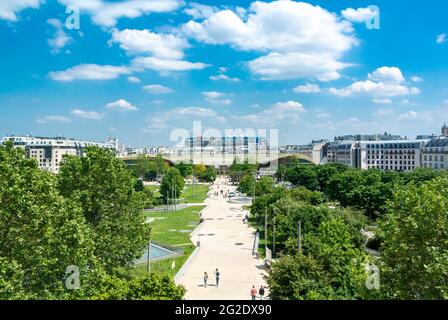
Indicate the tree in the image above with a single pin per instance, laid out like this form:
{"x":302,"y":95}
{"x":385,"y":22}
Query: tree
{"x":139,"y":185}
{"x":299,"y":277}
{"x":110,"y":205}
{"x":247,"y":185}
{"x":186,"y":170}
{"x":330,"y":267}
{"x":172,"y":184}
{"x":41,"y":232}
{"x":149,"y":287}
{"x":303,"y":175}
{"x":414,"y":250}
{"x":264,"y":186}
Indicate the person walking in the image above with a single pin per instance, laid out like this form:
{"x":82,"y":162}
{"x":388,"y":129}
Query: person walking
{"x":205,"y":279}
{"x":217,"y":275}
{"x":261,"y":292}
{"x":253,"y":293}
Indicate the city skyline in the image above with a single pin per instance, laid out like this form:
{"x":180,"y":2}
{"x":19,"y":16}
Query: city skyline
{"x":139,"y":73}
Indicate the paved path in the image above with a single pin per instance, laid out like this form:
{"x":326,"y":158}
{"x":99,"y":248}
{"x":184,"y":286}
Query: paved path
{"x":226,"y":244}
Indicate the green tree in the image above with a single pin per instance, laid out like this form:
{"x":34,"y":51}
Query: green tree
{"x":110,"y":205}
{"x":186,"y":170}
{"x":247,"y":185}
{"x":303,"y":175}
{"x":172,"y":184}
{"x":414,"y":251}
{"x":41,"y":232}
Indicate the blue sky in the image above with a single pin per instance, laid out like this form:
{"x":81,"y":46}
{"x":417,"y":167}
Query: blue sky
{"x":140,"y":69}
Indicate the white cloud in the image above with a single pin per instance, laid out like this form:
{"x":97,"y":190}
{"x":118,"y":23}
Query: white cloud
{"x":134,"y":80}
{"x":409,"y":115}
{"x":441,"y":38}
{"x":308,"y":88}
{"x":416,"y":79}
{"x":10,"y":8}
{"x":289,"y":110}
{"x":157,"y":89}
{"x":215,"y":97}
{"x":382,"y":101}
{"x":359,"y":15}
{"x":121,"y":105}
{"x":89,"y":72}
{"x":107,"y":13}
{"x":164,"y":46}
{"x":385,"y":82}
{"x":47,"y":119}
{"x":224,"y":77}
{"x":193,"y":111}
{"x":91,"y":115}
{"x":298,"y":40}
{"x":60,"y":38}
{"x":199,"y":11}
{"x":165,"y":65}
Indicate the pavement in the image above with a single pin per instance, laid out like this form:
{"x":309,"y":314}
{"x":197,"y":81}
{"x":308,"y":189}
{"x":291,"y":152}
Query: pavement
{"x":225,"y":243}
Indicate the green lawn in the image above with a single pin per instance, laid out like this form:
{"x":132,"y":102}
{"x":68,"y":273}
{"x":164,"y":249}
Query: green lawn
{"x":198,"y":195}
{"x":168,"y":231}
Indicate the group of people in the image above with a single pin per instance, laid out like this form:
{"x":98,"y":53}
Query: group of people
{"x":217,"y":276}
{"x":261,"y":292}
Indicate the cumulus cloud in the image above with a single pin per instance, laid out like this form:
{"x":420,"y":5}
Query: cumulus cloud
{"x":10,"y":8}
{"x":289,"y":110}
{"x":134,"y":79}
{"x":298,"y":40}
{"x":199,"y":11}
{"x":47,"y":119}
{"x":215,"y":97}
{"x":157,"y":89}
{"x":60,"y":38}
{"x":107,"y":13}
{"x":121,"y":105}
{"x":224,"y":77}
{"x":89,"y":72}
{"x":164,"y":46}
{"x":359,"y":15}
{"x":308,"y":88}
{"x":166,"y":65}
{"x":385,"y":82}
{"x":90,"y":115}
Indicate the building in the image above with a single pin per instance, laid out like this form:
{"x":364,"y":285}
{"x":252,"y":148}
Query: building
{"x":404,"y":155}
{"x":226,"y":145}
{"x":49,"y":152}
{"x":343,"y":152}
{"x":316,"y":150}
{"x":435,"y":154}
{"x":445,"y":130}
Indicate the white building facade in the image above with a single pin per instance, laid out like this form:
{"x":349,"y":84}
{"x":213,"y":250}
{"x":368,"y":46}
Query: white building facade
{"x":435,"y":154}
{"x":49,"y":152}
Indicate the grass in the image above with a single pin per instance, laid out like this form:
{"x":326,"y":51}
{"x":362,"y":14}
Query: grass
{"x":198,"y":195}
{"x":162,"y":232}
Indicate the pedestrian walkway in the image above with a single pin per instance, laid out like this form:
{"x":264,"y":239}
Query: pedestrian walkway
{"x":225,"y":243}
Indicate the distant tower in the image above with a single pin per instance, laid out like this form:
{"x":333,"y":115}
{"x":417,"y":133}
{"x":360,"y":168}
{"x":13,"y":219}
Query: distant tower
{"x":445,"y":130}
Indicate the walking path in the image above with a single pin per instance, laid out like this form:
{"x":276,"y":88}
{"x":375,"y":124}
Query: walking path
{"x":225,"y":243}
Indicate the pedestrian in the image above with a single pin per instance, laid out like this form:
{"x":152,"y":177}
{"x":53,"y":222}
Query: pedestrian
{"x":261,"y":292}
{"x":217,"y":275}
{"x":253,"y":293}
{"x":205,"y":279}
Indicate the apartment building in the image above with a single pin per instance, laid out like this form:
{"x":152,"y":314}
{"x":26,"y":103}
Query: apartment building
{"x":49,"y":152}
{"x":435,"y":154}
{"x":403,"y":155}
